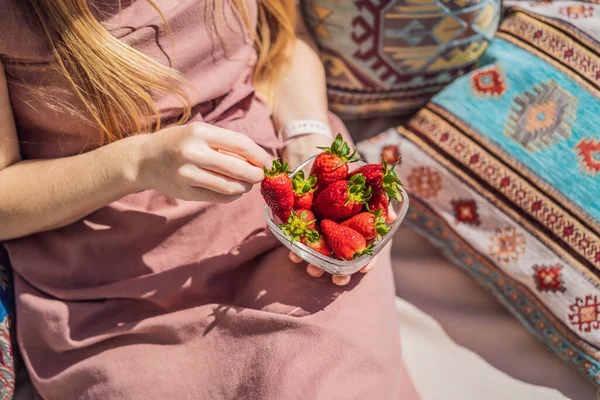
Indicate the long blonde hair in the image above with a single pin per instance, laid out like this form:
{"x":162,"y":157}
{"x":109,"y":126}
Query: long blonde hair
{"x":116,"y":83}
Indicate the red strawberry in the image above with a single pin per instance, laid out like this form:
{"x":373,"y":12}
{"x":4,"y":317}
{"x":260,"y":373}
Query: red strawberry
{"x":391,"y":154}
{"x":318,"y":244}
{"x":345,"y":242}
{"x":303,"y":191}
{"x":379,"y":176}
{"x":332,"y":164}
{"x":342,"y":199}
{"x":370,"y":225}
{"x":308,"y":217}
{"x":379,"y":201}
{"x":301,"y":227}
{"x":277,"y":190}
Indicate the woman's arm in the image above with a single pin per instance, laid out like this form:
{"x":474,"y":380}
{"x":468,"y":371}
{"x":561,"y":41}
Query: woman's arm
{"x":302,"y":94}
{"x":182,"y":162}
{"x":41,"y":195}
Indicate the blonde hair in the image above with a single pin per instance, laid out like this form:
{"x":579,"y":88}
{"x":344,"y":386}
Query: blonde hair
{"x":116,"y":83}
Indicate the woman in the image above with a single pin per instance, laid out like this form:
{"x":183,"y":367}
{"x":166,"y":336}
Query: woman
{"x":143,"y":268}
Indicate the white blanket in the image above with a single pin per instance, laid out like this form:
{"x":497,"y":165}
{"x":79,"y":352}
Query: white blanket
{"x":460,"y":344}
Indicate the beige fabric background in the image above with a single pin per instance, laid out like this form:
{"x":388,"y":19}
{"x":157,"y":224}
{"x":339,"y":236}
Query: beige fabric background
{"x":441,"y":369}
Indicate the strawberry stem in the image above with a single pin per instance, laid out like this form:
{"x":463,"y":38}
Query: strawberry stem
{"x":391,"y":183}
{"x":302,"y":186}
{"x":368,"y":250}
{"x":358,"y":191}
{"x":277,"y":168}
{"x":341,"y":149}
{"x":380,"y":226}
{"x":297,"y":228}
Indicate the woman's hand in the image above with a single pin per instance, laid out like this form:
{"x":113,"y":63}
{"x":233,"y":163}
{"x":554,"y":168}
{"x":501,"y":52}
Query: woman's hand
{"x":200,"y":162}
{"x":341,"y":280}
{"x":298,"y":150}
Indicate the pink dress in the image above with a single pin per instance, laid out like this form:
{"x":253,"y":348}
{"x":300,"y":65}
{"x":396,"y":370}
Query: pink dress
{"x":156,"y":298}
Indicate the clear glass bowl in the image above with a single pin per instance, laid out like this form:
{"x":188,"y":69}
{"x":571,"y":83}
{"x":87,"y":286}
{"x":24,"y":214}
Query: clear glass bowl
{"x":331,"y":265}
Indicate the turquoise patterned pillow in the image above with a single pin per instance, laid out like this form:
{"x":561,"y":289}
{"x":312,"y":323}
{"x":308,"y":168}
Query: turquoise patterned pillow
{"x":503,"y":169}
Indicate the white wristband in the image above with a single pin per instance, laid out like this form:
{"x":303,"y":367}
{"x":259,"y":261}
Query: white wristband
{"x":305,"y":127}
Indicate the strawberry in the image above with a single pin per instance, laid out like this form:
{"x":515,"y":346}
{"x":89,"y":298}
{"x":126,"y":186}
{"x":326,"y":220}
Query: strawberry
{"x":342,"y":199}
{"x":345,"y":242}
{"x":379,"y":176}
{"x":379,"y":201}
{"x":391,"y":154}
{"x":318,"y":244}
{"x":277,"y":190}
{"x":370,"y":225}
{"x":304,"y":191}
{"x":301,"y":227}
{"x":299,"y":224}
{"x":332,"y":164}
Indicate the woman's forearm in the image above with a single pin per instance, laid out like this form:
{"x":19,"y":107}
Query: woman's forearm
{"x":301,"y":93}
{"x":40,"y":195}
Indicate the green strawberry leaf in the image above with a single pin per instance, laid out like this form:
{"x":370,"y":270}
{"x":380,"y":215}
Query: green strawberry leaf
{"x":277,"y":168}
{"x":380,"y":226}
{"x":299,"y":177}
{"x":391,"y":183}
{"x":297,"y":227}
{"x":357,"y":190}
{"x":302,"y":186}
{"x":341,"y":149}
{"x":312,"y":235}
{"x":368,"y":250}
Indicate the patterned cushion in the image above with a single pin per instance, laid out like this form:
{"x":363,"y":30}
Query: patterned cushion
{"x":387,"y":57}
{"x":7,"y":337}
{"x":503,"y":167}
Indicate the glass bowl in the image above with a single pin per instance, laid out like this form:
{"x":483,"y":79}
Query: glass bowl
{"x":331,"y":265}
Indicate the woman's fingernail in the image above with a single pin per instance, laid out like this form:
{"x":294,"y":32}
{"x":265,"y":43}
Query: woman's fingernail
{"x":295,"y":258}
{"x":341,"y":280}
{"x":391,"y":217}
{"x":313,"y":271}
{"x":369,"y":266}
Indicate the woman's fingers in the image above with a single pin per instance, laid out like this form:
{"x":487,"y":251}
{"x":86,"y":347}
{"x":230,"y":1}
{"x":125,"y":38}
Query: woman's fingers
{"x":224,"y":139}
{"x":369,"y":266}
{"x":231,"y":166}
{"x":341,"y":280}
{"x":391,"y":216}
{"x":295,"y":258}
{"x":197,"y":177}
{"x":191,"y":193}
{"x":314,"y":271}
{"x":317,"y":272}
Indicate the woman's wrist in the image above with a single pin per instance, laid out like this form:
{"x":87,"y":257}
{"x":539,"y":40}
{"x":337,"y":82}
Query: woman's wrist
{"x":304,"y":127}
{"x":300,"y":148}
{"x":131,"y":160}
